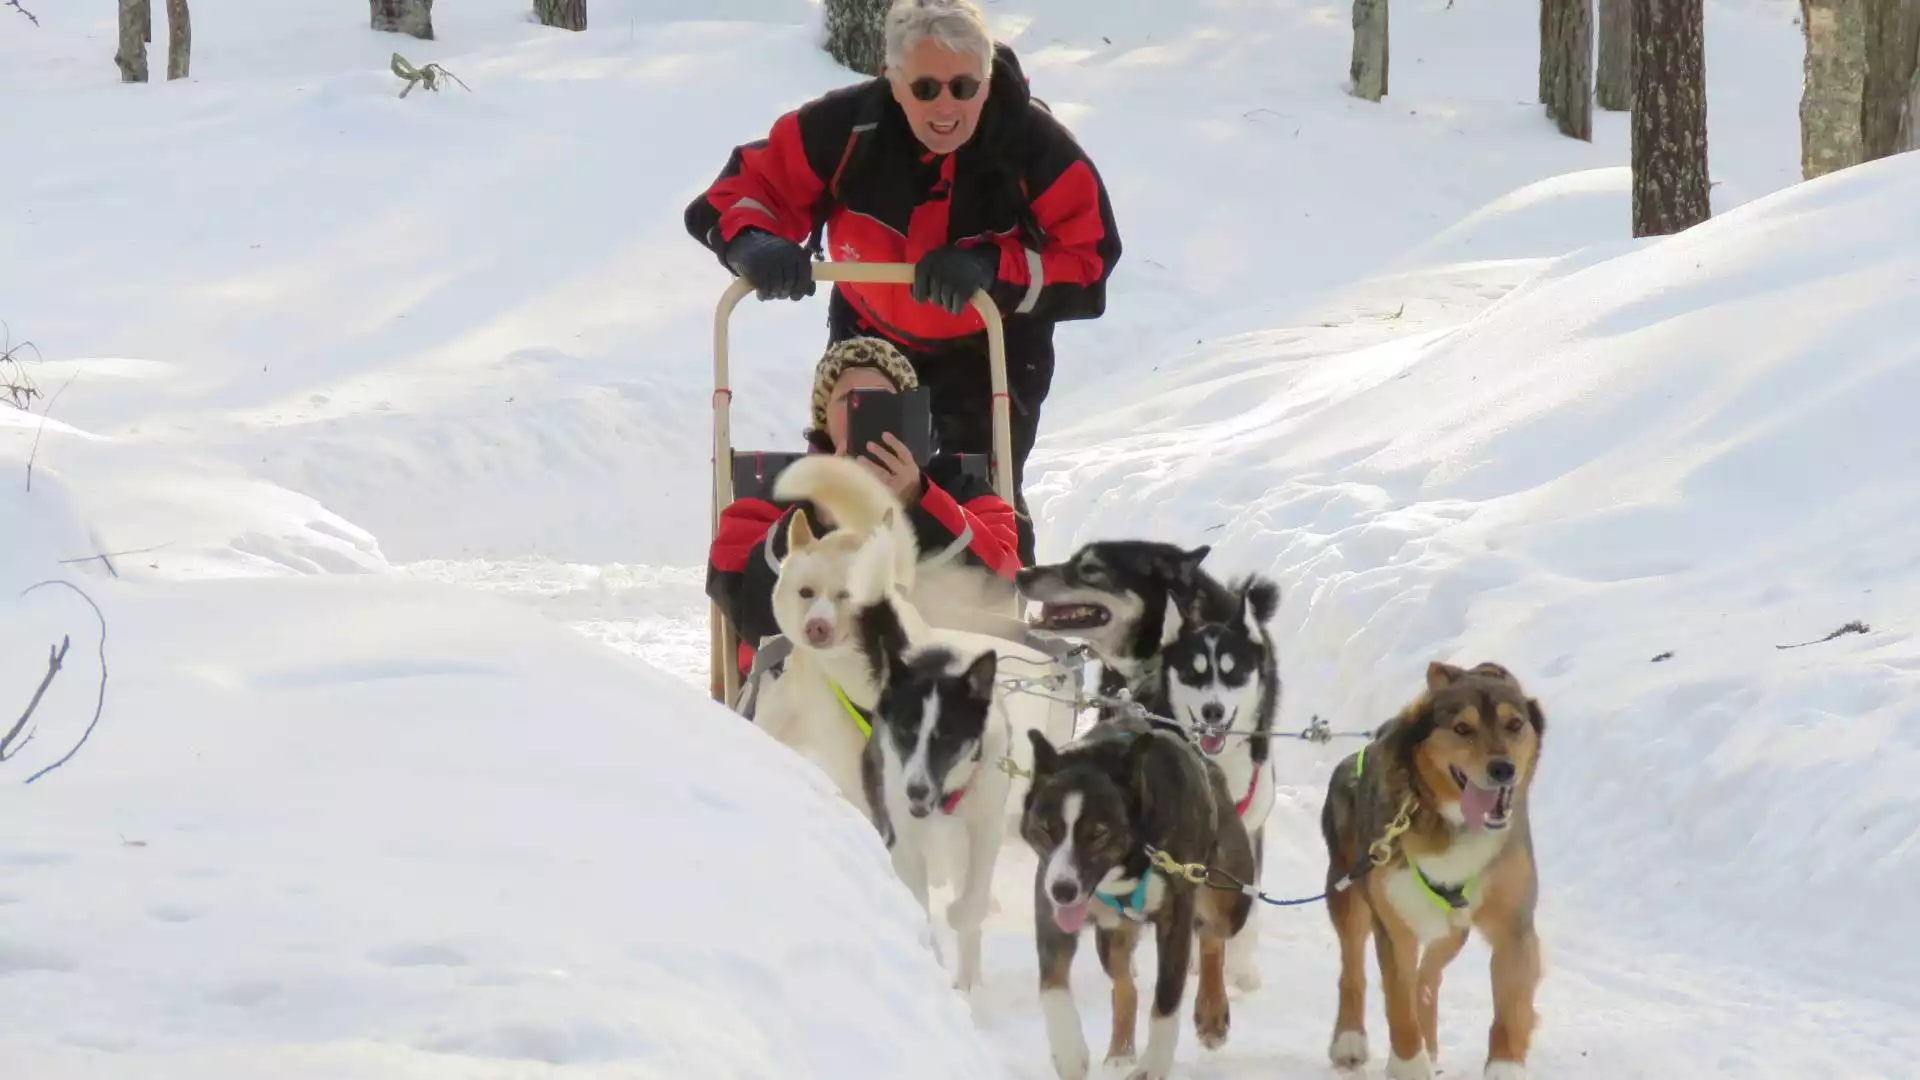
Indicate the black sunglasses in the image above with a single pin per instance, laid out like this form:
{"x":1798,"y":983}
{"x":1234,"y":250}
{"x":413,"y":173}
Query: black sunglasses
{"x":927,"y":88}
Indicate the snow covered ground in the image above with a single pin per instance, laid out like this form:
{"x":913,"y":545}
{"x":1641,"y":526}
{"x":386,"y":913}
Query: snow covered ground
{"x":394,"y":416}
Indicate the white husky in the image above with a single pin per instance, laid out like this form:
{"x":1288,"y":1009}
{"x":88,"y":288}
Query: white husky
{"x":823,"y":703}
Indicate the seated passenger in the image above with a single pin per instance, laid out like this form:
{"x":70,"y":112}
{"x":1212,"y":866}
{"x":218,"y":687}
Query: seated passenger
{"x":943,"y":502}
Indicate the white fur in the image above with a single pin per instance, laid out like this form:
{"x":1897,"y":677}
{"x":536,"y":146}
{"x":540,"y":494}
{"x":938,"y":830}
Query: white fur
{"x":977,"y":823}
{"x":1504,"y":1070}
{"x":871,"y":556}
{"x":1469,"y":854}
{"x":1163,"y":1036}
{"x":1349,"y":1050}
{"x":1065,"y":1040}
{"x":1417,"y":1067}
{"x":1060,"y":863}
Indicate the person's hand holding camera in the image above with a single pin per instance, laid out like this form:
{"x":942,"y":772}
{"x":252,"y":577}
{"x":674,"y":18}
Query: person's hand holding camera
{"x":893,"y":464}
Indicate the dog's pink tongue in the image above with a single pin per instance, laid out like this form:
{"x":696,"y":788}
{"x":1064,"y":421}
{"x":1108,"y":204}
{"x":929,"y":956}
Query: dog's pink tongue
{"x":1070,"y":917}
{"x":1476,"y":803}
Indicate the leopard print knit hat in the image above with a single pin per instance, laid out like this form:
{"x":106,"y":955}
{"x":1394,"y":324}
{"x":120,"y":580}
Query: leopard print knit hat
{"x":867,"y":352}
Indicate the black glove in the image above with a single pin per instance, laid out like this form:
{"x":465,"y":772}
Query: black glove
{"x":778,"y":268}
{"x":948,"y":277}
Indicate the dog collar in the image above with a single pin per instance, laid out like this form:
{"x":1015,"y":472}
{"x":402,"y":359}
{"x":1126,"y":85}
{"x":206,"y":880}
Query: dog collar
{"x":1445,"y":897}
{"x":1135,"y":906}
{"x":952,"y":802}
{"x":1247,"y":799}
{"x":860,"y":718}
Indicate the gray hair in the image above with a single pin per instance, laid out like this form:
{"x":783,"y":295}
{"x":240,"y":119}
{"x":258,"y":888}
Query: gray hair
{"x":958,"y":25}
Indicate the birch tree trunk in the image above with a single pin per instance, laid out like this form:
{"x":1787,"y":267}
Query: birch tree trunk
{"x":1670,"y":185}
{"x":1613,"y":85}
{"x":564,"y":14}
{"x":854,"y":37}
{"x":135,"y":17}
{"x":179,"y":39}
{"x":1892,"y":48}
{"x":1368,"y":69}
{"x":411,"y":17}
{"x":1834,"y":77}
{"x":1566,"y":65}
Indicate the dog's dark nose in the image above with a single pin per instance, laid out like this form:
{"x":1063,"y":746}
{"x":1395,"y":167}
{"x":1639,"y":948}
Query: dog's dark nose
{"x":1500,"y":771}
{"x":1213,"y":712}
{"x":919,"y":793}
{"x":1065,"y":892}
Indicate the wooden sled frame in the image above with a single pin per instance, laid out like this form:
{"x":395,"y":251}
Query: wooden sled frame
{"x":723,"y":659}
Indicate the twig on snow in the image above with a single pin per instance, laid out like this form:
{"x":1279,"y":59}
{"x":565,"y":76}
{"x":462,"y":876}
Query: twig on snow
{"x":106,"y":557}
{"x":15,"y":5}
{"x":34,"y":454}
{"x":56,"y":657}
{"x":1854,"y":627}
{"x":100,"y":701}
{"x":15,"y":384}
{"x":427,"y":76}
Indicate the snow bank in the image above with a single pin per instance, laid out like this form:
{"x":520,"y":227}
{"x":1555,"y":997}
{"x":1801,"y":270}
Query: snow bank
{"x":349,"y":825}
{"x":1635,"y":482}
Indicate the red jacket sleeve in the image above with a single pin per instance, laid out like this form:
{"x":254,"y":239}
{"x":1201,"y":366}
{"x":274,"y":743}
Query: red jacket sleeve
{"x":1065,"y":276}
{"x":739,"y":578}
{"x":993,"y":542}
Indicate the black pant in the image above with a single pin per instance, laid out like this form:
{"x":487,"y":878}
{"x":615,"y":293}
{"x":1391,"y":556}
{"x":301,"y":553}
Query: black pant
{"x":960,"y":391}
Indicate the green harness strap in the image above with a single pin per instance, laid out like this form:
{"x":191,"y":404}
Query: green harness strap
{"x":1451,"y":900}
{"x":859,"y":715}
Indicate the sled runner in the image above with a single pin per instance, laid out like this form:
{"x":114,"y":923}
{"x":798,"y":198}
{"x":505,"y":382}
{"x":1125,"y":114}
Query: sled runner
{"x":728,"y":464}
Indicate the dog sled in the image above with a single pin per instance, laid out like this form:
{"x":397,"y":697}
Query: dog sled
{"x":723,"y":667}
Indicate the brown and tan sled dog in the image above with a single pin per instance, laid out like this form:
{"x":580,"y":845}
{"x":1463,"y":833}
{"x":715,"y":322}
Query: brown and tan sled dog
{"x":1427,"y":838}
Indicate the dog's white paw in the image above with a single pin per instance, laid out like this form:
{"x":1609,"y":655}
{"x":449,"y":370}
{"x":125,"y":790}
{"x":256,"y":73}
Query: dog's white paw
{"x":1349,"y":1050}
{"x":1117,"y":1062}
{"x":1417,"y":1067}
{"x":1068,"y":1045}
{"x":1505,"y":1070}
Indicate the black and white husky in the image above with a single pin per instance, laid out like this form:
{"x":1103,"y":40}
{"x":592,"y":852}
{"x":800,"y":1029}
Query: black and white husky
{"x":1222,"y":683}
{"x":933,"y":782}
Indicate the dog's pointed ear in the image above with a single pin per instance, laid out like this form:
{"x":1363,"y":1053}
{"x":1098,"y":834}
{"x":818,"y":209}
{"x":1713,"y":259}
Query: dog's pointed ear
{"x":1045,"y":757}
{"x":1262,"y":598}
{"x":1171,"y":622}
{"x":1189,"y":562}
{"x":1537,"y":717}
{"x":1488,"y":667}
{"x":980,"y":675}
{"x":1441,"y":675}
{"x":799,"y":532}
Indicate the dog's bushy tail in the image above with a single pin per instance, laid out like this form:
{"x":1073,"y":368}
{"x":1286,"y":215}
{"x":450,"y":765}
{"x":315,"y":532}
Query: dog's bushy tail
{"x":856,"y":500}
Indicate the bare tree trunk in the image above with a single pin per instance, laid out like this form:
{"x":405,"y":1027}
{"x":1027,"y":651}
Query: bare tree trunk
{"x":1892,"y":49}
{"x":1670,"y":185}
{"x":1613,"y":88}
{"x":135,"y":17}
{"x":854,"y":38}
{"x":1566,"y":65}
{"x":411,"y":17}
{"x":1910,"y":119}
{"x":1369,"y":67}
{"x":179,"y":39}
{"x":565,"y":14}
{"x":1834,"y":76}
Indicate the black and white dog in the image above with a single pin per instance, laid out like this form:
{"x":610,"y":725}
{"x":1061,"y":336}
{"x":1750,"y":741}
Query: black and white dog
{"x":1115,"y":596}
{"x":1096,"y":810}
{"x":931,"y":773}
{"x":1222,"y":682}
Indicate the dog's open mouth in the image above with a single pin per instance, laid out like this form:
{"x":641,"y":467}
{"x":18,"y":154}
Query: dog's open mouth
{"x":1070,"y":617}
{"x":1483,"y":808}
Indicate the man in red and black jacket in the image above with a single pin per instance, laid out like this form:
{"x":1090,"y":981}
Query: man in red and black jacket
{"x":944,"y":502}
{"x":972,"y":181}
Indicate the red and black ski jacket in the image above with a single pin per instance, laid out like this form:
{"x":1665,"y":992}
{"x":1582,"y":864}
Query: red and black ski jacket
{"x":848,"y":163}
{"x":740,"y":579}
